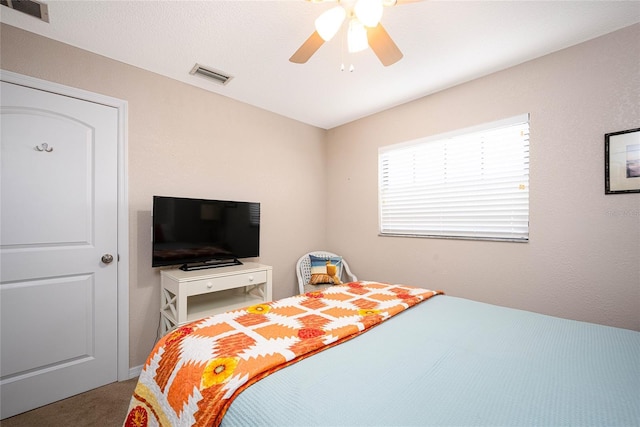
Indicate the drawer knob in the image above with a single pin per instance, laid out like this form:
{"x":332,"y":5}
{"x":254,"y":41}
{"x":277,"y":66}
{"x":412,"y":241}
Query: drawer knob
{"x":251,"y":278}
{"x":209,"y":285}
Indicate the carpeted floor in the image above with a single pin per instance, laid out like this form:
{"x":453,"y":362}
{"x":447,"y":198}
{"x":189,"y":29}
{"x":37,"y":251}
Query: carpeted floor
{"x":103,"y":407}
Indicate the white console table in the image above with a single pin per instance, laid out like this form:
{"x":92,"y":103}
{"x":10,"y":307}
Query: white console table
{"x":191,"y":295}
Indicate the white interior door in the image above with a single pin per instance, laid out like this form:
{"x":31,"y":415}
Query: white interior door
{"x":58,"y":218}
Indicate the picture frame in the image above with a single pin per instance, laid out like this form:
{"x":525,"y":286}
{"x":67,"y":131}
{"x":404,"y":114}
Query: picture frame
{"x":622,"y":162}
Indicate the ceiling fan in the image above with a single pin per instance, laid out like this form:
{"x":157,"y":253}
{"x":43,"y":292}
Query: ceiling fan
{"x":364,"y":30}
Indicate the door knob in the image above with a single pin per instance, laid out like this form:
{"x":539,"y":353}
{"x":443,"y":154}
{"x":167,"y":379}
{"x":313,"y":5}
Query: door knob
{"x":107,"y":258}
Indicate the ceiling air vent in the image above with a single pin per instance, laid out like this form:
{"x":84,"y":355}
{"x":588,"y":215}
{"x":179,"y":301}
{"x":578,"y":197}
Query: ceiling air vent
{"x":30,"y":7}
{"x":215,"y":75}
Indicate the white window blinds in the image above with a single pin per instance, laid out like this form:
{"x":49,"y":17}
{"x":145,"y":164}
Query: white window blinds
{"x":468,"y":184}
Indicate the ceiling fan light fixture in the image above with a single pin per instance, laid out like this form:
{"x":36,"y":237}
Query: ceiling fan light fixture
{"x":369,"y":12}
{"x":328,"y":24}
{"x":356,"y":36}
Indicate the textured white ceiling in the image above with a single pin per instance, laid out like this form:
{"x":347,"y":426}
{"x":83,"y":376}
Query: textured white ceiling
{"x":444,"y":43}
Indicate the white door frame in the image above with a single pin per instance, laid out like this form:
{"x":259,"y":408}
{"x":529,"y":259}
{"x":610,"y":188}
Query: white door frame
{"x":123,"y":200}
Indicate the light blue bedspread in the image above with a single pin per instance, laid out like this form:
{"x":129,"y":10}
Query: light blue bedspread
{"x":456,"y":362}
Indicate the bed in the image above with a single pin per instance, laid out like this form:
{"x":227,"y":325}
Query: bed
{"x":393,"y":355}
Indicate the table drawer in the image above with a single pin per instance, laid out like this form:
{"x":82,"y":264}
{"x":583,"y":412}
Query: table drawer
{"x":196,"y":287}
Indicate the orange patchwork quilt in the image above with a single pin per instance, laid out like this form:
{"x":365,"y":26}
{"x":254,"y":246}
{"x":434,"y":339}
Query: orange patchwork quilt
{"x":193,"y":373}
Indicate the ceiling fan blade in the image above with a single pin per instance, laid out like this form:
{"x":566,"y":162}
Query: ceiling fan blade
{"x":308,"y":48}
{"x":383,"y":46}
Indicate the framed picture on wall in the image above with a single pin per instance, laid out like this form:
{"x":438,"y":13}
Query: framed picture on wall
{"x":622,"y":162}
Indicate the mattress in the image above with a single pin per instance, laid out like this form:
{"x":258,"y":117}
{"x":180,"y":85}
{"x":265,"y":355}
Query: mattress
{"x":194,"y":372}
{"x":452,"y":361}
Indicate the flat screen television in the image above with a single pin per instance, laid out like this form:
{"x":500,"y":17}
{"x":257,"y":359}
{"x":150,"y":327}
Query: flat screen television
{"x":200,"y":233}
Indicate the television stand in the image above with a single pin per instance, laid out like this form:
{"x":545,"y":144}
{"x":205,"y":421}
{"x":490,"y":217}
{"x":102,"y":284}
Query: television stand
{"x":211,"y":264}
{"x":187,"y":296}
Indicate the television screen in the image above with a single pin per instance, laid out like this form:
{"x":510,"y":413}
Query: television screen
{"x":199,"y":231}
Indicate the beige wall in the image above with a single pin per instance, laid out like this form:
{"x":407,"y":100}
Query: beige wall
{"x":583,"y":258}
{"x":184,"y":141}
{"x":581,"y":262}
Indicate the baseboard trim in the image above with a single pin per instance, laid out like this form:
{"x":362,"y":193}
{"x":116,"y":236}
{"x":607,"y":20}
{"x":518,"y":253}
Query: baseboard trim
{"x":135,"y":371}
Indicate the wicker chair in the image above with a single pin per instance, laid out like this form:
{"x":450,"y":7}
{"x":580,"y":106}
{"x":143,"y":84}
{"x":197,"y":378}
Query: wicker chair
{"x":303,"y":270}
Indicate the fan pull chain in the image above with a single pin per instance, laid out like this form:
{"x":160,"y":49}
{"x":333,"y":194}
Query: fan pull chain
{"x":351,"y":67}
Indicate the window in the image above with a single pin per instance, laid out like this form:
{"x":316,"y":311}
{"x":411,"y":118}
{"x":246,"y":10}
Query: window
{"x":472,"y":183}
